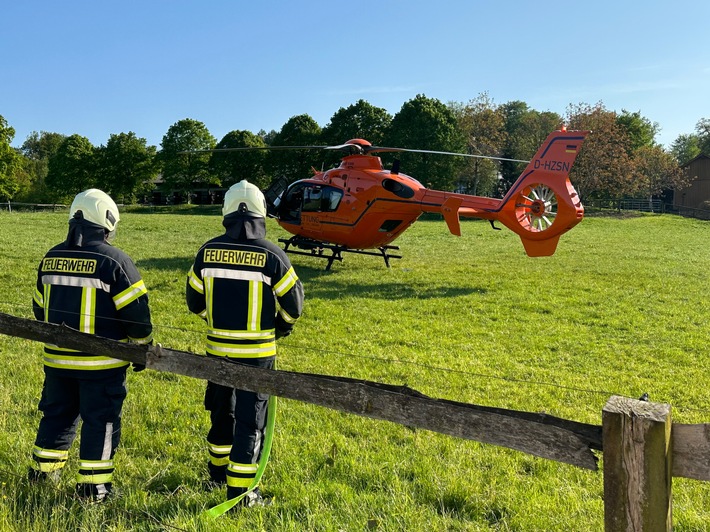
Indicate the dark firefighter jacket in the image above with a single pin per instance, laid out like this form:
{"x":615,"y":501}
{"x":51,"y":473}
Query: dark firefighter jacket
{"x":95,"y":288}
{"x":246,"y":289}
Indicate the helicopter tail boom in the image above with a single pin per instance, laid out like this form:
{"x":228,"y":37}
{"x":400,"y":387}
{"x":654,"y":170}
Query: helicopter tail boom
{"x":539,"y":207}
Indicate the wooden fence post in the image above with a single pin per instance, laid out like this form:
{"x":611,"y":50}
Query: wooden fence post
{"x":637,"y":465}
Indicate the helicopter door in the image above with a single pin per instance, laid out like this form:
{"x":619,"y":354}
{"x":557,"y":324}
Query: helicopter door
{"x":289,"y":208}
{"x":273,"y":194}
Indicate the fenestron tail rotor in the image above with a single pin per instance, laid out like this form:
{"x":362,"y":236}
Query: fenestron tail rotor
{"x":543,"y":204}
{"x":536,"y":207}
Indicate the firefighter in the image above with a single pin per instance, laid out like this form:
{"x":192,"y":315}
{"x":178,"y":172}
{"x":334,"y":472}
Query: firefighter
{"x":93,"y":287}
{"x":246,"y":290}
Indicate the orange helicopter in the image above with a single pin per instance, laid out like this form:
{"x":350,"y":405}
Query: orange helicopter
{"x":360,"y":207}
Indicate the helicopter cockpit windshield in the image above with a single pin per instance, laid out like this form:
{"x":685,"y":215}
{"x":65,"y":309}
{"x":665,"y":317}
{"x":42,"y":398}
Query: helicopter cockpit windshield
{"x":308,"y":197}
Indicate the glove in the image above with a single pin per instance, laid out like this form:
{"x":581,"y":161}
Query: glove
{"x":282,"y":333}
{"x":139,"y":367}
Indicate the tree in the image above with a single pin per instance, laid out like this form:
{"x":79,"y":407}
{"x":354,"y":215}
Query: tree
{"x":703,"y":130}
{"x":527,"y":129}
{"x":686,"y":147}
{"x":268,"y":138}
{"x":11,"y":164}
{"x":482,"y":124}
{"x":38,"y":149}
{"x":72,"y":169}
{"x":233,"y":166}
{"x":641,"y":131}
{"x":426,"y":123}
{"x":300,"y":130}
{"x":360,"y":120}
{"x":604,"y":168}
{"x":42,"y":146}
{"x":126,"y":166}
{"x":182,"y":164}
{"x":657,"y":171}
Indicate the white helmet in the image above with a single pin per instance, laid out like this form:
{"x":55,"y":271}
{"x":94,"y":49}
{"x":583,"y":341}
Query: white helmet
{"x":96,"y":207}
{"x":245,"y":198}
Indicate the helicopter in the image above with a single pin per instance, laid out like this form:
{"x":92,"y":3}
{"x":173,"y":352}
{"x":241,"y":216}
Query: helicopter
{"x":360,"y":207}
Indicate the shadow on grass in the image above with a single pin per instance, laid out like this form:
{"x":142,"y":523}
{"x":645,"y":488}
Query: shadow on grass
{"x":323,"y":284}
{"x":192,"y":210}
{"x":181,"y":264}
{"x":460,"y":506}
{"x":389,"y":291}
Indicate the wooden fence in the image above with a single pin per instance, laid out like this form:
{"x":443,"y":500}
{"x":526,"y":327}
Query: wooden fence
{"x":642,"y":448}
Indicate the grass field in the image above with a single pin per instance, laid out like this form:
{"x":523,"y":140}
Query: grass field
{"x":621,"y":308}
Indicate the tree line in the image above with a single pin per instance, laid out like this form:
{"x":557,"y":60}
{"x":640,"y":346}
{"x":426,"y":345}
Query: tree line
{"x":621,"y":157}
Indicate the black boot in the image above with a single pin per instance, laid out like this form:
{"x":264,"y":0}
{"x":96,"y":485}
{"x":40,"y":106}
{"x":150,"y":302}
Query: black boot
{"x":94,"y":492}
{"x":250,"y":500}
{"x":37,"y":476}
{"x":218,"y":475}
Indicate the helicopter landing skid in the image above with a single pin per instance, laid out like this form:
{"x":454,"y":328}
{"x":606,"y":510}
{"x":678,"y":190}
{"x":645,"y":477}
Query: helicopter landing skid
{"x":318,"y":249}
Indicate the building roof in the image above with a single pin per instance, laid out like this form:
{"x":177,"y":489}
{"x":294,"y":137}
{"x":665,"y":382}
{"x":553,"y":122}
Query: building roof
{"x":696,"y":158}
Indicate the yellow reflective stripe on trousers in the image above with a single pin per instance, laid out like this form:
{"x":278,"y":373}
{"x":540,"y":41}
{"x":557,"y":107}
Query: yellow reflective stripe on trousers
{"x":238,"y":482}
{"x":51,"y":454}
{"x":219,"y":454}
{"x":219,"y":449}
{"x":103,"y":478}
{"x":96,"y":464}
{"x":248,"y":470}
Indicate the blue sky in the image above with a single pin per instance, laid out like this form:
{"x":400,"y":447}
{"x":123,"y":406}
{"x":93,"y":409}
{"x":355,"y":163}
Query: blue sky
{"x":96,"y":68}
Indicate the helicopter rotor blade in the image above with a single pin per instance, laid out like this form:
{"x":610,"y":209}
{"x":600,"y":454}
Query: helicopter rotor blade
{"x":358,"y":148}
{"x":347,"y":146}
{"x":378,"y":149}
{"x":250,"y":148}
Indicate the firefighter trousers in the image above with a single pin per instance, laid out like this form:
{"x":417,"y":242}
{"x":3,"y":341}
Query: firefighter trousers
{"x":236,"y":434}
{"x":97,"y":400}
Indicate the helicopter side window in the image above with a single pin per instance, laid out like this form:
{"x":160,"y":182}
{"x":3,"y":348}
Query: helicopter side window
{"x":312,"y":199}
{"x":333,"y":199}
{"x":397,"y":188}
{"x":321,"y":199}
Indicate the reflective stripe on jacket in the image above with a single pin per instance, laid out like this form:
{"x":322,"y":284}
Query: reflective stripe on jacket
{"x":248,"y":293}
{"x":94,"y":289}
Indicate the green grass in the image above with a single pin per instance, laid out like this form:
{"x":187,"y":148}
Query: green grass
{"x":621,"y":308}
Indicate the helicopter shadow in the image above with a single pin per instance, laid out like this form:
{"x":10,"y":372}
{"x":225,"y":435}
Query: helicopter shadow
{"x":166,"y":263}
{"x":321,"y":284}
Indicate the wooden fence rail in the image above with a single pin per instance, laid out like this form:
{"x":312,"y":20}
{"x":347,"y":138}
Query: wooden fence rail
{"x":537,"y":434}
{"x":642,"y":448}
